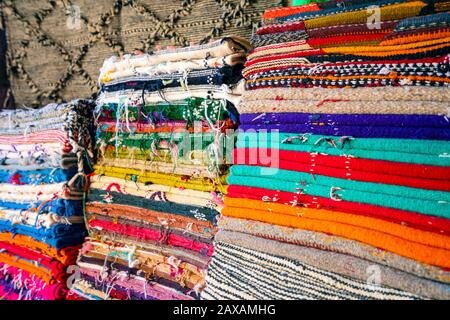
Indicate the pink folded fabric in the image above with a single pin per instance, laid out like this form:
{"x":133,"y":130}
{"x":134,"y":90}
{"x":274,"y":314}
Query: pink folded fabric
{"x":153,"y":235}
{"x":32,"y":285}
{"x":45,"y":136}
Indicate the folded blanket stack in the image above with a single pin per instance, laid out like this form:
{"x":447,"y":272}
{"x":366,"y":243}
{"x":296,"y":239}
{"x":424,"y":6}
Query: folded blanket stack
{"x":45,"y":156}
{"x":163,"y":122}
{"x":341,"y":182}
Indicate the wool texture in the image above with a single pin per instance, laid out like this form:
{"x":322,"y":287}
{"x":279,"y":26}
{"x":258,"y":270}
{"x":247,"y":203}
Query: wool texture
{"x":341,"y":162}
{"x":160,"y":176}
{"x":46,"y":158}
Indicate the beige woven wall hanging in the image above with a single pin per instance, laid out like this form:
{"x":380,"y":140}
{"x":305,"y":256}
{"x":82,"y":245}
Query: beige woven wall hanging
{"x":55,"y":48}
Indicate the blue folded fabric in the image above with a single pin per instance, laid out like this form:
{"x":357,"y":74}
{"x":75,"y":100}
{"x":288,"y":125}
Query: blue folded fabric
{"x":191,"y":211}
{"x":212,"y":76}
{"x":59,"y":236}
{"x":61,"y":207}
{"x":438,"y":19}
{"x":37,"y":176}
{"x":347,"y":6}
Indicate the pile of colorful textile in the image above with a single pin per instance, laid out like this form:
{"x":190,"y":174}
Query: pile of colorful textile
{"x":341,"y":188}
{"x":44,"y":157}
{"x":163,"y":124}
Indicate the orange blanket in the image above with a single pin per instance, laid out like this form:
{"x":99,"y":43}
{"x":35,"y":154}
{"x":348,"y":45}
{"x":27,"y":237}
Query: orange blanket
{"x":427,"y":247}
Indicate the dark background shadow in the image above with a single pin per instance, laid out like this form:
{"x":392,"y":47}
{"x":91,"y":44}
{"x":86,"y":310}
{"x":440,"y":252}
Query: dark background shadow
{"x":6,"y":99}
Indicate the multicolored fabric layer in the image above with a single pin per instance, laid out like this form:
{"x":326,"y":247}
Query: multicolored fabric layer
{"x":45,"y":159}
{"x":164,"y":120}
{"x":342,"y":162}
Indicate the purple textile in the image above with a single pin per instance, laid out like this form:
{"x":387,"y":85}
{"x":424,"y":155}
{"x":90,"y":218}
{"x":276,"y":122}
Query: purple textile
{"x":357,"y":131}
{"x":420,"y":121}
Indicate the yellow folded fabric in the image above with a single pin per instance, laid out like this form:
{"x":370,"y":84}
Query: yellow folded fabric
{"x":146,"y":177}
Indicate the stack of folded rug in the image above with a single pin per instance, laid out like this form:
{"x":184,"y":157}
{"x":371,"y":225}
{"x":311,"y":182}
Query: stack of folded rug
{"x":163,"y":121}
{"x":341,"y":188}
{"x":44,"y":158}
